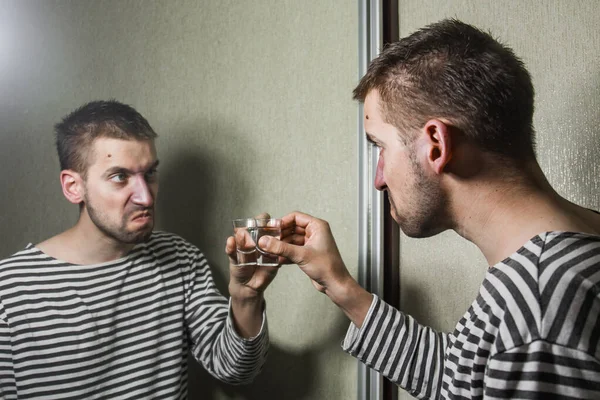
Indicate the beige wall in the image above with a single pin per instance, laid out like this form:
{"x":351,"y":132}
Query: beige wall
{"x":252,"y":102}
{"x":559,"y":42}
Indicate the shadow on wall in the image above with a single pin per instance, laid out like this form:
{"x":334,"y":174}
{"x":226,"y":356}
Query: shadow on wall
{"x":286,"y":375}
{"x":200,"y":188}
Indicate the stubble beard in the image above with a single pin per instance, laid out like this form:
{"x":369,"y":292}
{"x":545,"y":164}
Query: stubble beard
{"x":427,"y":207}
{"x":120,"y":233}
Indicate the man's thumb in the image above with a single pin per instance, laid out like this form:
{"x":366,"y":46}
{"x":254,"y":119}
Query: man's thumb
{"x":279,"y":248}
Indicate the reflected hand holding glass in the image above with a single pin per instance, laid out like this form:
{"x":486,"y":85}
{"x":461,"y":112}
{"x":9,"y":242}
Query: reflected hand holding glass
{"x":251,"y":267}
{"x":267,"y":227}
{"x":244,"y":233}
{"x":247,"y":232}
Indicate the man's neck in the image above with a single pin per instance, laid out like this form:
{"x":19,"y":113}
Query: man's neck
{"x":84,"y":244}
{"x":500,"y":215}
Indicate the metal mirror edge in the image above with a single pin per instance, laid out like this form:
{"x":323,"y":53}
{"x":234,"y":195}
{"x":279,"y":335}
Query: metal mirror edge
{"x":370,"y":201}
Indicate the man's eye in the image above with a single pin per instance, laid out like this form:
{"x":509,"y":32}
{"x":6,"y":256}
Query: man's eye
{"x":118,"y":178}
{"x":376,"y":145}
{"x":152,"y":174}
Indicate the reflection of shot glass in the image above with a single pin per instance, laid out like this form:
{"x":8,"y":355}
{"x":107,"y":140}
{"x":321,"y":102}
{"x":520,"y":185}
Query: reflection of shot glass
{"x":267,"y":227}
{"x":244,"y":232}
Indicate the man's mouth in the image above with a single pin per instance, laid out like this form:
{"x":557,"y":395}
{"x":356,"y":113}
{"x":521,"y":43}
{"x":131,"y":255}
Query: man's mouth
{"x":144,"y":215}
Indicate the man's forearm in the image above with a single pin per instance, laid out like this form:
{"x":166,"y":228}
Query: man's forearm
{"x":352,"y":299}
{"x":247,"y":315}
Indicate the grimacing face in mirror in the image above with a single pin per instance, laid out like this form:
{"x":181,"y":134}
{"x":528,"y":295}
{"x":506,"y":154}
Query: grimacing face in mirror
{"x":121,"y":185}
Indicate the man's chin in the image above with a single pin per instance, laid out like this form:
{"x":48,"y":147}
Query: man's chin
{"x":138,"y":235}
{"x":421,"y":231}
{"x":140,"y":238}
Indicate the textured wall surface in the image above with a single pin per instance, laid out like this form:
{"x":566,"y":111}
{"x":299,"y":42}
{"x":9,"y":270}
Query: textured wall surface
{"x":252,"y":103}
{"x":559,"y":42}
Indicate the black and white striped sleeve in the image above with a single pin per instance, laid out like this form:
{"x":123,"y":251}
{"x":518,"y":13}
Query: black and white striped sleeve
{"x":394,"y":344}
{"x":7,"y":373}
{"x":214,"y":341}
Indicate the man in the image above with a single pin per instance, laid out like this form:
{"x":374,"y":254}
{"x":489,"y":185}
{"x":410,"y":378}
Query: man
{"x":451,"y":112}
{"x":109,"y":308}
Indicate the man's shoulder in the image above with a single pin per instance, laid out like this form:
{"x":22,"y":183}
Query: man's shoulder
{"x":570,"y":237}
{"x":569,"y":276}
{"x":569,"y":249}
{"x":535,"y":293}
{"x":547,"y":254}
{"x":22,"y":266}
{"x":28,"y":256}
{"x":570,"y":260}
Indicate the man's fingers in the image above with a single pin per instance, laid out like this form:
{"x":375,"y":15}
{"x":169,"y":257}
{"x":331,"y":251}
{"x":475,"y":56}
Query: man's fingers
{"x":298,"y":240}
{"x":230,"y":249}
{"x":280,"y":248}
{"x":292,"y":230}
{"x":298,"y":219}
{"x":263,"y":216}
{"x":230,"y":246}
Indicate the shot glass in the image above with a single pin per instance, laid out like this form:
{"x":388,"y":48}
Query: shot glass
{"x":244,"y":232}
{"x":267,"y":227}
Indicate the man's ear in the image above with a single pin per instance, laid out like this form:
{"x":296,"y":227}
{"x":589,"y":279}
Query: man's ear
{"x":439,"y":144}
{"x":72,"y":186}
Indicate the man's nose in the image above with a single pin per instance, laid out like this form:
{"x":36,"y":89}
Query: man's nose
{"x":379,"y":181}
{"x":141,"y":192}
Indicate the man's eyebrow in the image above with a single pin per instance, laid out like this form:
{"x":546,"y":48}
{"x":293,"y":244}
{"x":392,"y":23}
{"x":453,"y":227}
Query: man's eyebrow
{"x":117,"y":170}
{"x":122,"y":170}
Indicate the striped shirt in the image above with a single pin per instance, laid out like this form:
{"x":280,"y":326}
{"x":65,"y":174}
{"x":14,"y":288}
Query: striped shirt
{"x":533,"y":331}
{"x":117,"y":330}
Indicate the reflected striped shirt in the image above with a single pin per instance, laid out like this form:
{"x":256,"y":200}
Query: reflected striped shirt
{"x":117,"y":330}
{"x":532,"y":332}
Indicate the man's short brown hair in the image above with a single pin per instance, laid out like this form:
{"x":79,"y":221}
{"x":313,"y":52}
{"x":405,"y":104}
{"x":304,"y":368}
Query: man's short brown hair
{"x":455,"y":71}
{"x":77,"y":131}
